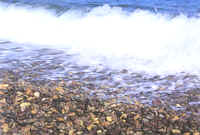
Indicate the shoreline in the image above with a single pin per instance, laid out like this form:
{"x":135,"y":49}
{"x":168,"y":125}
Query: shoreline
{"x":64,"y":107}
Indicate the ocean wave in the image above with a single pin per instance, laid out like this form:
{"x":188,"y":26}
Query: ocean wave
{"x":140,"y":41}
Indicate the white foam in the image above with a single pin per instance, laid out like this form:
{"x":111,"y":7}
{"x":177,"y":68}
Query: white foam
{"x":139,"y":41}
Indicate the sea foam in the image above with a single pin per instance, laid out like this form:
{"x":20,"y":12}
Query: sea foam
{"x":140,"y":41}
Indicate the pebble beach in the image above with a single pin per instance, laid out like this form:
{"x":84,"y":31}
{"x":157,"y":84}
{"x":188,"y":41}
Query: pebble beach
{"x":43,"y":92}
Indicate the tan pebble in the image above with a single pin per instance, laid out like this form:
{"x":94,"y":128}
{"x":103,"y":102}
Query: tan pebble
{"x":26,"y":130}
{"x":176,"y":131}
{"x":69,"y":124}
{"x":43,"y":99}
{"x":162,"y":130}
{"x":30,"y":98}
{"x":90,"y":127}
{"x":55,"y":97}
{"x":5,"y":128}
{"x":130,"y":132}
{"x":99,"y":132}
{"x":50,"y":126}
{"x":178,"y":105}
{"x":79,"y":132}
{"x":106,"y":123}
{"x":34,"y":111}
{"x":60,"y":119}
{"x":1,"y":93}
{"x":60,"y":89}
{"x":71,"y":132}
{"x":196,"y":133}
{"x":18,"y":99}
{"x":15,"y":134}
{"x":37,"y":94}
{"x":28,"y":91}
{"x":20,"y":93}
{"x":109,"y":118}
{"x":91,"y":108}
{"x":24,"y":105}
{"x":136,"y":117}
{"x":72,"y":114}
{"x":175,"y":118}
{"x":2,"y":101}
{"x":4,"y":86}
{"x":113,"y":105}
{"x":123,"y":116}
{"x":96,"y":120}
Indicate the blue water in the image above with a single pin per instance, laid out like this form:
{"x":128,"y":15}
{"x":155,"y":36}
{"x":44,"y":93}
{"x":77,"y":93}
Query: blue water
{"x":188,"y":7}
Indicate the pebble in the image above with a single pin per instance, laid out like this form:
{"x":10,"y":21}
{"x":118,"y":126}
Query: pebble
{"x":24,"y":105}
{"x":37,"y":94}
{"x":69,"y":102}
{"x":109,"y":118}
{"x":4,"y":86}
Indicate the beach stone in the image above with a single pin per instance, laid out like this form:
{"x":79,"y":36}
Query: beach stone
{"x":37,"y":94}
{"x":3,"y":101}
{"x":109,"y":118}
{"x":4,"y":86}
{"x":196,"y":133}
{"x":5,"y":128}
{"x":99,"y":132}
{"x":176,"y":131}
{"x":24,"y":105}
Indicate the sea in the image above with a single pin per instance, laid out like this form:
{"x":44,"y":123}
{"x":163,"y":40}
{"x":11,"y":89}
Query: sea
{"x":125,"y":47}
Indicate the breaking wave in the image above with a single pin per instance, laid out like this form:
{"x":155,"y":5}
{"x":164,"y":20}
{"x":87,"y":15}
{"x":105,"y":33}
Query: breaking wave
{"x":140,"y":41}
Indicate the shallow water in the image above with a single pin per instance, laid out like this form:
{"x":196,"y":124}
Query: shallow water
{"x":42,"y":65}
